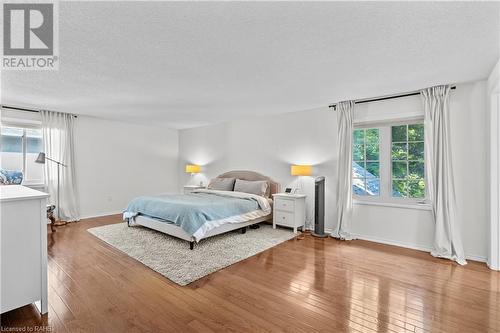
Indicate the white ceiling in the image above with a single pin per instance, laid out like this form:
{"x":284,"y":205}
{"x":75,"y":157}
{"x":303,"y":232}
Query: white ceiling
{"x":189,"y":64}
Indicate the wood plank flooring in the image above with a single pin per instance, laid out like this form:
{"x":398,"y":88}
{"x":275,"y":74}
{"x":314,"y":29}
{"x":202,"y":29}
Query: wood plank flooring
{"x":309,"y":285}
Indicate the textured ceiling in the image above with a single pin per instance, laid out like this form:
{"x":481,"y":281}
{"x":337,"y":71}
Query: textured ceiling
{"x":189,"y":64}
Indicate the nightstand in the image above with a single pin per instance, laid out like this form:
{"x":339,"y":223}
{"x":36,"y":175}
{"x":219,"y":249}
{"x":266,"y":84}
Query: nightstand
{"x":289,"y":210}
{"x":191,"y":188}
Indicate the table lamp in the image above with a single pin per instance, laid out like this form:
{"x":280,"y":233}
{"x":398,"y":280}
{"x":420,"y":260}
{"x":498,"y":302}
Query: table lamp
{"x":193,"y":168}
{"x":300,"y":170}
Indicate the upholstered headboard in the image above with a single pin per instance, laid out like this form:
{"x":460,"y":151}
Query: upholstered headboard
{"x":252,"y":175}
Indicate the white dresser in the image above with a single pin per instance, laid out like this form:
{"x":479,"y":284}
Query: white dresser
{"x":23,"y":237}
{"x":289,"y":210}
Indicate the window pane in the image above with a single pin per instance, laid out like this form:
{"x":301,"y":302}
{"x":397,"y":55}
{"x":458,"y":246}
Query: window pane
{"x":34,"y":171}
{"x":358,"y":153}
{"x":358,"y":186}
{"x":416,"y":189}
{"x":399,"y":170}
{"x":407,"y":154}
{"x":34,"y":141}
{"x":416,"y":169}
{"x":372,"y":170}
{"x":373,"y":186}
{"x":11,"y":147}
{"x":399,"y":133}
{"x":372,"y":152}
{"x":358,"y":136}
{"x":399,"y":188}
{"x":366,"y":148}
{"x":399,"y":151}
{"x":12,"y":140}
{"x":416,"y":132}
{"x":372,"y":135}
{"x":358,"y":170}
{"x":416,"y":151}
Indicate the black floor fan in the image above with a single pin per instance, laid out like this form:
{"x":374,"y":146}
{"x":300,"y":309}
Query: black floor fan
{"x":319,"y":207}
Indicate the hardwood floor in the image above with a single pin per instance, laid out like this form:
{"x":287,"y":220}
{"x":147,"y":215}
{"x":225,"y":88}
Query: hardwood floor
{"x":309,"y":285}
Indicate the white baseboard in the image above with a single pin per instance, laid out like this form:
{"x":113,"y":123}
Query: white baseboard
{"x":393,"y":242}
{"x":408,"y":246}
{"x":411,"y":246}
{"x":100,"y":215}
{"x":492,"y":267}
{"x":476,"y":258}
{"x":356,"y":236}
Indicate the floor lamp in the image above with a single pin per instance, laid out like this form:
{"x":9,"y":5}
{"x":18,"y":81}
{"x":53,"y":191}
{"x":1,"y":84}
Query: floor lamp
{"x":41,"y":159}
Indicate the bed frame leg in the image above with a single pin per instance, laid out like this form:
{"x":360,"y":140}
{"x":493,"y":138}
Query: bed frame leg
{"x":191,"y":245}
{"x":128,"y":222}
{"x":243,"y":230}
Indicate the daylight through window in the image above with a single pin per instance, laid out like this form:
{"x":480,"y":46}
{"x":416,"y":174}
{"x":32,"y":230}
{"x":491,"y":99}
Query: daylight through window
{"x":19,"y":148}
{"x":365,"y":165}
{"x":388,"y":162}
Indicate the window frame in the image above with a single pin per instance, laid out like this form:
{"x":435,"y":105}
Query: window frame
{"x":24,"y":127}
{"x":385,"y":160}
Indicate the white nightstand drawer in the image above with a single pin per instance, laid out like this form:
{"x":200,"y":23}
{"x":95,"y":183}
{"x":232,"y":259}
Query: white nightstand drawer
{"x":284,"y":205}
{"x":284,"y":218}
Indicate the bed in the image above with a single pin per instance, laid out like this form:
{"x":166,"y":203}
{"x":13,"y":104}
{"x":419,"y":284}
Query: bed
{"x":202,"y":204}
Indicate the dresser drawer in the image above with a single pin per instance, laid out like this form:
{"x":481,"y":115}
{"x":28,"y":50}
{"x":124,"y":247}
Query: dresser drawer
{"x":284,"y":218}
{"x":284,"y":205}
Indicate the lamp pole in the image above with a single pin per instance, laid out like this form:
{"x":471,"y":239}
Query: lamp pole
{"x":58,"y":191}
{"x":58,"y":185}
{"x":41,"y":159}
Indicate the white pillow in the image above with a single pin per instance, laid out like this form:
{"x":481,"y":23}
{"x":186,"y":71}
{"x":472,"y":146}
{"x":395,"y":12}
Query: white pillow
{"x":258,"y":187}
{"x":221,"y":184}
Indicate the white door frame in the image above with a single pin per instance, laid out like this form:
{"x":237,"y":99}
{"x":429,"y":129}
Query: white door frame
{"x":494,"y":96}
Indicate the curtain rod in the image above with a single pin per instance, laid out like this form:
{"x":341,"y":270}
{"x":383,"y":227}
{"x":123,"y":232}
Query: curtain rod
{"x":25,"y":109}
{"x":376,"y":99}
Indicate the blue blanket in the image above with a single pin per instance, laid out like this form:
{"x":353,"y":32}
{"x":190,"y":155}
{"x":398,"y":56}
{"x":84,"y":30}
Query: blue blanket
{"x":190,"y":211}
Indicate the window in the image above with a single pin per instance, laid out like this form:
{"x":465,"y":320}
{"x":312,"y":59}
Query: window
{"x":407,"y":156}
{"x":388,"y":162}
{"x":366,"y":164}
{"x":19,"y":148}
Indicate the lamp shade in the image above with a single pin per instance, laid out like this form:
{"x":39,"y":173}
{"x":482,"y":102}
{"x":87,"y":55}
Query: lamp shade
{"x":301,"y":170}
{"x":193,"y":168}
{"x":41,"y":158}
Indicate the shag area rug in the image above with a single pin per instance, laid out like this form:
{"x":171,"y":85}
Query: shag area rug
{"x":172,"y":258}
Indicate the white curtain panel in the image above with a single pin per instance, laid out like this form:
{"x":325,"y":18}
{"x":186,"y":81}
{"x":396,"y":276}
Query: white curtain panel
{"x":345,"y":115}
{"x":439,"y":174}
{"x":57,"y":129}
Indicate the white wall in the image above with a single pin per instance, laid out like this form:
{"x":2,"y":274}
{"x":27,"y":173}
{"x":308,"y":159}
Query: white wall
{"x":470,"y":140}
{"x":469,"y":130}
{"x":118,"y":161}
{"x":270,"y":144}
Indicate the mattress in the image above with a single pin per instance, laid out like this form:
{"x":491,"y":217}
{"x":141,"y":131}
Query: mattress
{"x":200,"y":211}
